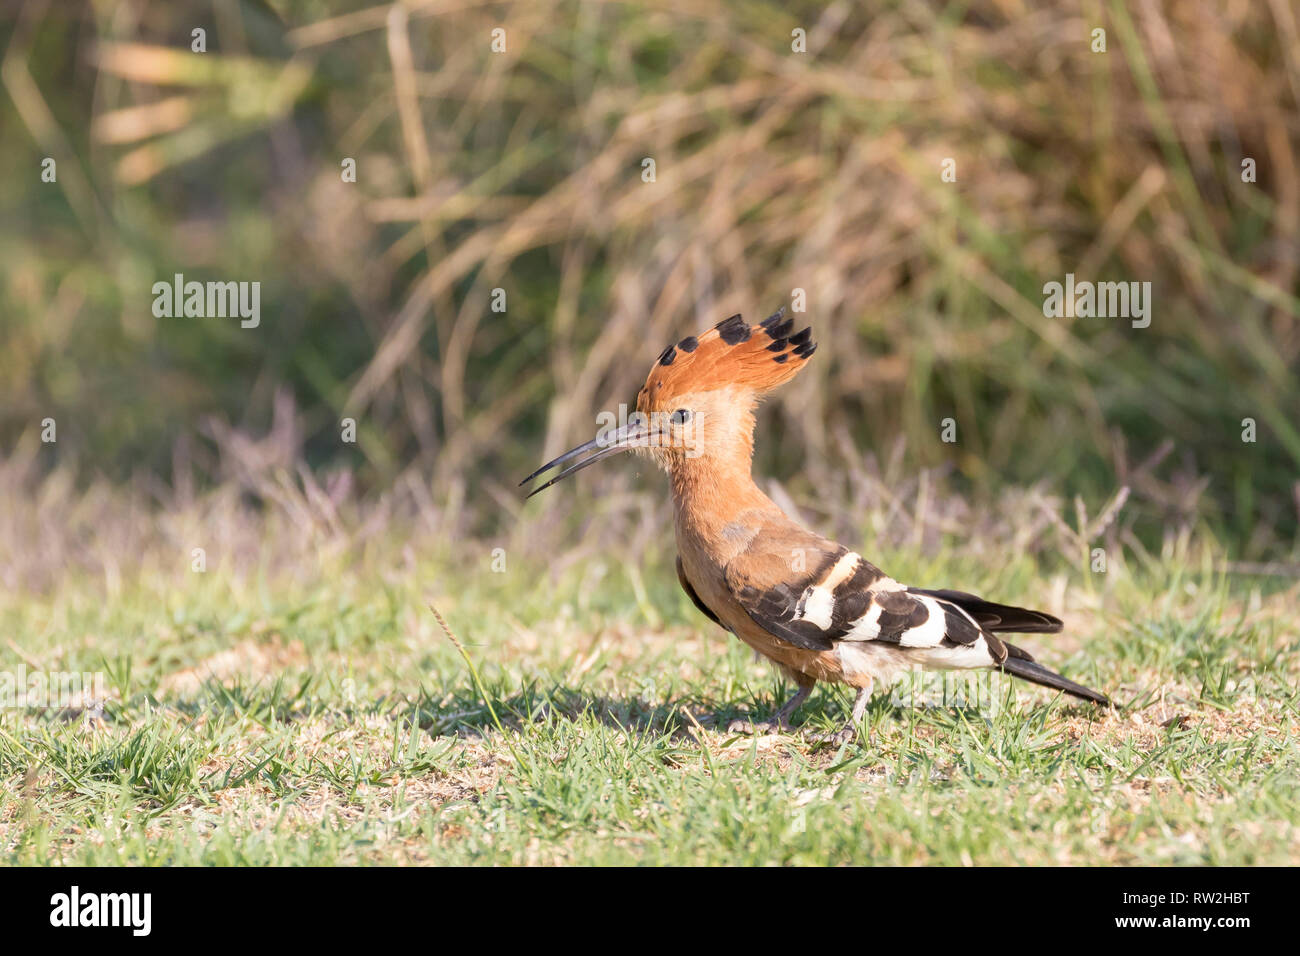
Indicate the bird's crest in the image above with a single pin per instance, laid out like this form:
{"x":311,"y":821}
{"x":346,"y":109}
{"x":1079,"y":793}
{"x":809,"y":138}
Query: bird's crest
{"x":733,"y":352}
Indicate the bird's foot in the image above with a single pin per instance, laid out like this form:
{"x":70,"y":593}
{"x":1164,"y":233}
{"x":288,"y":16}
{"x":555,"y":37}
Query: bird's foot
{"x":837,"y":738}
{"x":776,"y":725}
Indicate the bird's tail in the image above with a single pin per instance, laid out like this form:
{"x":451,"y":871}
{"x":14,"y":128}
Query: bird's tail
{"x":1036,"y":673}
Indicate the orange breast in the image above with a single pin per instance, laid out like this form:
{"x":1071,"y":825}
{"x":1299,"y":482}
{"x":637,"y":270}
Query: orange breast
{"x":712,"y":590}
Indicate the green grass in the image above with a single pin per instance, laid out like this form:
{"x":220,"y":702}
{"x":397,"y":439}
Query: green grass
{"x":261,"y":720}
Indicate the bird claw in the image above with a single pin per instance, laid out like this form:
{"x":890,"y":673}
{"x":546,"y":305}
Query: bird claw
{"x":837,"y":738}
{"x":756,"y":728}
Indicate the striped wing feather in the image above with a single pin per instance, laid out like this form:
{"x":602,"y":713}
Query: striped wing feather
{"x":805,"y":590}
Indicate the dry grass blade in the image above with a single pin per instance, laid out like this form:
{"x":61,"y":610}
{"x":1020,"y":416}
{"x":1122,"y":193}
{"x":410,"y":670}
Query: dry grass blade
{"x":478,"y":683}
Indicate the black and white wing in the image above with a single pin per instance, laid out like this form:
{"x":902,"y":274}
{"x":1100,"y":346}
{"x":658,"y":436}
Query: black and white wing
{"x":835,"y":595}
{"x":821,"y":596}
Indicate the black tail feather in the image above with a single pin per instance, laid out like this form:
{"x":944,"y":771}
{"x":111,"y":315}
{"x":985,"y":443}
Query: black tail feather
{"x":1038,"y":674}
{"x":997,"y":617}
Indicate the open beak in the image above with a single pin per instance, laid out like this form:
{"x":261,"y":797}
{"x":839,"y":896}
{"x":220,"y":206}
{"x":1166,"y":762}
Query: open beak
{"x":632,"y":435}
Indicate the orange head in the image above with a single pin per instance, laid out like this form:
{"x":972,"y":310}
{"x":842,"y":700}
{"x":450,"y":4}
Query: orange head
{"x":699,"y":398}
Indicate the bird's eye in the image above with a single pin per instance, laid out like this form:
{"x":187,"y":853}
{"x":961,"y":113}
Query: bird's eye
{"x":680,"y":417}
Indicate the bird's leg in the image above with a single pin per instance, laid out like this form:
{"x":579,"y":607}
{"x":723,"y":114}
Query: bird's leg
{"x":779,"y":720}
{"x":850,"y":729}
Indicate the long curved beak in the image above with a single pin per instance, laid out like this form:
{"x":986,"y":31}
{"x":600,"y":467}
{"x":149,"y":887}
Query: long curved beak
{"x":632,"y":435}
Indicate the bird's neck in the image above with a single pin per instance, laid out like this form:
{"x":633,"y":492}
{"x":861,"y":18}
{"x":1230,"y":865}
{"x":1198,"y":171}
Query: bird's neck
{"x":713,"y":496}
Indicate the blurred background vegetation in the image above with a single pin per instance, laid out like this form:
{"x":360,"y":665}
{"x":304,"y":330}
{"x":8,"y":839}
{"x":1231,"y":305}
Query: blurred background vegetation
{"x":775,"y":170}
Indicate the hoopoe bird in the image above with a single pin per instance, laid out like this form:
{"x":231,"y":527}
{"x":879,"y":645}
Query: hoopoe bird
{"x":818,"y":610}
